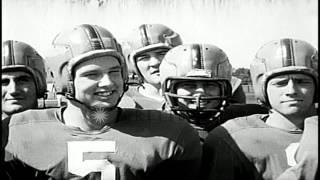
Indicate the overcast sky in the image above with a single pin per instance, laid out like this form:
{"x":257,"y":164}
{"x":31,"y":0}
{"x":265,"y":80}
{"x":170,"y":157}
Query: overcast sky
{"x":239,"y":27}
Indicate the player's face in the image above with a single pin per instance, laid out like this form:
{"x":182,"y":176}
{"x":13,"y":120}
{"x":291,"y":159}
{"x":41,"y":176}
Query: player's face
{"x":18,"y":92}
{"x":99,"y":82}
{"x":148,"y":64}
{"x":291,"y":95}
{"x":195,"y":89}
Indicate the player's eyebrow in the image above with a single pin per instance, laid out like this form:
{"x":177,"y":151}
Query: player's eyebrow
{"x":24,"y":77}
{"x":117,"y":67}
{"x":161,"y":50}
{"x":279,"y":79}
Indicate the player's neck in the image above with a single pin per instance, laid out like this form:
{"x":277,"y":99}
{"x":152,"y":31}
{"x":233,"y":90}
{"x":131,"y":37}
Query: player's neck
{"x":151,"y":91}
{"x":289,"y":123}
{"x":299,"y":118}
{"x":84,"y":119}
{"x":279,"y":121}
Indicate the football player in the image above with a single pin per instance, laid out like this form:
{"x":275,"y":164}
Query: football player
{"x":91,"y":137}
{"x":283,"y":143}
{"x":23,"y":77}
{"x":144,"y":49}
{"x":196,"y":85}
{"x":23,"y":82}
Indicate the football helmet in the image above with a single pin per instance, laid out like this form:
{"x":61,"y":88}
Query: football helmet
{"x":82,"y":43}
{"x":17,"y":55}
{"x":148,"y":37}
{"x":193,"y":63}
{"x":280,"y":57}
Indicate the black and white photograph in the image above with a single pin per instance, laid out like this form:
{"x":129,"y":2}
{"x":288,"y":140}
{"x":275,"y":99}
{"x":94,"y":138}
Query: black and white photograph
{"x":159,"y":90}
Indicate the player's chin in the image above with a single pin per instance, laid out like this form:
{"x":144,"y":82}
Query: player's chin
{"x":290,"y":110}
{"x":103,"y":105}
{"x":111,"y":103}
{"x":192,"y":106}
{"x":213,"y":105}
{"x":109,"y":100}
{"x":155,"y":78}
{"x":13,"y":108}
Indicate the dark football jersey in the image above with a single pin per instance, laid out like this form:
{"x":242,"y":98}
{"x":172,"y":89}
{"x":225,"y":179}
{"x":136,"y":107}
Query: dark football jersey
{"x":247,"y":148}
{"x":142,"y":144}
{"x":230,"y":112}
{"x":240,"y":110}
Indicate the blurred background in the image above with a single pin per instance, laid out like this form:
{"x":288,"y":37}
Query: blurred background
{"x":239,"y":27}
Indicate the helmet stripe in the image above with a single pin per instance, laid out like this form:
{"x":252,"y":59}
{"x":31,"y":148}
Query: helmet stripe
{"x":196,"y":57}
{"x":94,"y":38}
{"x":11,"y":53}
{"x":100,"y":41}
{"x":287,"y":52}
{"x":202,"y":56}
{"x":144,"y":36}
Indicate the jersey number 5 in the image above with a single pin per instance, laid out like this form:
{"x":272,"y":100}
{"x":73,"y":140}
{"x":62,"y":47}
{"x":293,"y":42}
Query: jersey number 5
{"x":81,"y":161}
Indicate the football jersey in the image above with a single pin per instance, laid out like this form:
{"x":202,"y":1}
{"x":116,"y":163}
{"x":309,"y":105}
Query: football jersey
{"x":252,"y":149}
{"x":230,"y":112}
{"x":141,"y":101}
{"x":142,"y":144}
{"x":240,"y":110}
{"x":304,"y":157}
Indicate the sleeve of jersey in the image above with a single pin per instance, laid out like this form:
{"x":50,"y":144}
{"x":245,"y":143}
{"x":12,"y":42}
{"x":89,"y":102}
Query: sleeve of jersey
{"x":222,"y":158}
{"x":185,"y":163}
{"x":11,"y":167}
